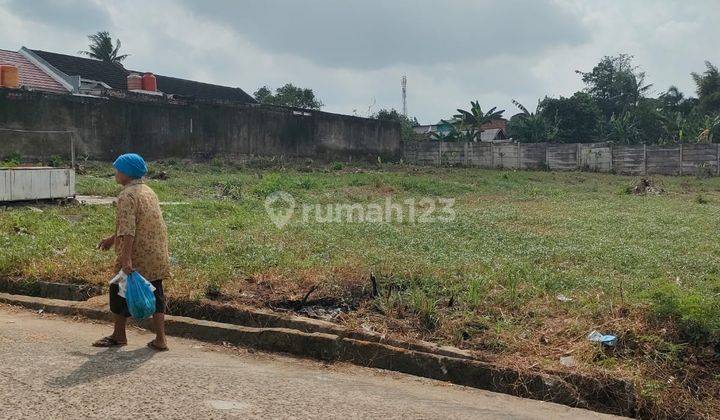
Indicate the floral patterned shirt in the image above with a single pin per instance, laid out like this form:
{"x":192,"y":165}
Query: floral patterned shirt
{"x":139,"y":215}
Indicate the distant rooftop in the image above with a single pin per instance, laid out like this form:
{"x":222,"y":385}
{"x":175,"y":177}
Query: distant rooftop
{"x":115,"y":76}
{"x":31,"y":76}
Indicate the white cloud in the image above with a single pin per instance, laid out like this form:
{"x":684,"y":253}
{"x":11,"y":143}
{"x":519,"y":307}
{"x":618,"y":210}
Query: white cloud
{"x":668,"y":39}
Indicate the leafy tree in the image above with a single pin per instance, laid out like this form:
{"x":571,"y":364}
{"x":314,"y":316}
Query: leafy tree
{"x":406,"y":124}
{"x":288,"y":95}
{"x":472,"y":121}
{"x":101,"y":48}
{"x":530,"y":127}
{"x":708,"y":88}
{"x":576,"y":119}
{"x":615,"y":84}
{"x":649,"y":118}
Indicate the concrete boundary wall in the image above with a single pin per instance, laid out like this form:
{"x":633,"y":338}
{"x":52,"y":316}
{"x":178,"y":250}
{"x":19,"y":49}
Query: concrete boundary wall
{"x":676,"y":159}
{"x":160,"y":128}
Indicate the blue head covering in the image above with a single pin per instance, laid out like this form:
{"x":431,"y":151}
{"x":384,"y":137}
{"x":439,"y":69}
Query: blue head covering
{"x":131,"y":164}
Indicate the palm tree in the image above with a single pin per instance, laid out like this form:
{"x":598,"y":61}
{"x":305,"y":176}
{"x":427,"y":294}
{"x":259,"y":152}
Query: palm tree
{"x":101,"y":48}
{"x":708,"y":88}
{"x":472,"y":121}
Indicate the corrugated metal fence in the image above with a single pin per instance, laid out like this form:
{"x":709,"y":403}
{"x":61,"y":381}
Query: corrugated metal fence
{"x":598,"y":157}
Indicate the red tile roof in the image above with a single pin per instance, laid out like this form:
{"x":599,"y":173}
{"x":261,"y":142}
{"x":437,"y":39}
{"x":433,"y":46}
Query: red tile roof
{"x":30,"y":75}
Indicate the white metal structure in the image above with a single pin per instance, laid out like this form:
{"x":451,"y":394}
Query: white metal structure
{"x":36,"y":183}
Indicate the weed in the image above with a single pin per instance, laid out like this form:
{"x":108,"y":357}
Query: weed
{"x":700,"y":199}
{"x":425,"y":308}
{"x":56,"y":161}
{"x":476,"y":293}
{"x":697,"y":315}
{"x":230,"y":189}
{"x":11,"y":160}
{"x":652,"y":389}
{"x":213,"y":290}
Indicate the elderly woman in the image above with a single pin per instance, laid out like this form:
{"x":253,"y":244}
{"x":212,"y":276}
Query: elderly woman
{"x":141,"y":245}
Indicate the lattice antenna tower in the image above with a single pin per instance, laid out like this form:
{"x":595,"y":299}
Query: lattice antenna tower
{"x":403,"y":84}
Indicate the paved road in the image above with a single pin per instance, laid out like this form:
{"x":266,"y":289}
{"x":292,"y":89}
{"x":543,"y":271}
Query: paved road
{"x":48,"y":370}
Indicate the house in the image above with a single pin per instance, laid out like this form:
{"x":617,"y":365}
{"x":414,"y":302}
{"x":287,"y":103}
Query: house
{"x":492,"y":131}
{"x":90,"y":76}
{"x":492,"y":134}
{"x":31,"y":75}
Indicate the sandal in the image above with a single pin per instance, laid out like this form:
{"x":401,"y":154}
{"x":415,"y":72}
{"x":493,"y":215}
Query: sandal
{"x":108,"y":342}
{"x":155,"y":347}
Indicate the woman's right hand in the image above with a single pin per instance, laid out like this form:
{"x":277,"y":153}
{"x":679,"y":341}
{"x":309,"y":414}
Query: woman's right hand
{"x":106,"y":243}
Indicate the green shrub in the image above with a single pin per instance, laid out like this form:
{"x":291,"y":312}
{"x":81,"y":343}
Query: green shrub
{"x":269,"y":184}
{"x":625,"y":191}
{"x":337,"y":166}
{"x":306,"y":183}
{"x":12,"y":160}
{"x":56,"y":161}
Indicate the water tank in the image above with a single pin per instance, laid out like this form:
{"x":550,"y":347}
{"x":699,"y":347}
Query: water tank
{"x":134,"y":81}
{"x":149,"y":82}
{"x":9,"y":76}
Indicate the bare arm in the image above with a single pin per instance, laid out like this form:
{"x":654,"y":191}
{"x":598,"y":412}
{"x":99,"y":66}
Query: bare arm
{"x":107,"y":243}
{"x":126,"y":243}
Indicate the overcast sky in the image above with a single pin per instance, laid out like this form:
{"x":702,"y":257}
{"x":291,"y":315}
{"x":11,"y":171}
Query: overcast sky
{"x":353,"y":53}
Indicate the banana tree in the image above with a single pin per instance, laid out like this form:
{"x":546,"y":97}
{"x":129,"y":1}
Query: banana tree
{"x":622,"y":129}
{"x":450,"y":133}
{"x":529,"y":127}
{"x":709,"y":129}
{"x":472,"y":121}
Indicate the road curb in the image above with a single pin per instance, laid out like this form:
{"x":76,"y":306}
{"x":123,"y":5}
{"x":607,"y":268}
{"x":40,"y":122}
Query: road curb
{"x":607,"y":395}
{"x":262,"y":318}
{"x":64,"y":291}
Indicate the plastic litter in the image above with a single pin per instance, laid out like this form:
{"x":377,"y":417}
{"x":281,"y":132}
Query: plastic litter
{"x":604,"y":339}
{"x":563,"y":298}
{"x":568,"y":361}
{"x":139,"y":295}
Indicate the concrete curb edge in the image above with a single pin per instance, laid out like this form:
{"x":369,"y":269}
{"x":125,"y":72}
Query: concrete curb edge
{"x":608,"y":395}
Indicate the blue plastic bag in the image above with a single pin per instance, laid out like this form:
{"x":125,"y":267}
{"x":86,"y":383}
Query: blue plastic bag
{"x":140,"y":297}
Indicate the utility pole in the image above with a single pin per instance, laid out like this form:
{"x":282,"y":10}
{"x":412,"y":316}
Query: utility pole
{"x":403,"y":83}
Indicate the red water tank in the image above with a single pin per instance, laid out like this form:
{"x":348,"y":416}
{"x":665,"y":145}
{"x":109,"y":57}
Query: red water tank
{"x":9,"y":76}
{"x":149,"y":82}
{"x":134,"y":81}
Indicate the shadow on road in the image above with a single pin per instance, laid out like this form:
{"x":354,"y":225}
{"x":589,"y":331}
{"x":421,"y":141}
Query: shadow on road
{"x":109,"y":362}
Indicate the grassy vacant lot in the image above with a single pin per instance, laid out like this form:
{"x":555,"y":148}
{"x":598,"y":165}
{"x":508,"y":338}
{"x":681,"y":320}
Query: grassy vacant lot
{"x":645,"y":268}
